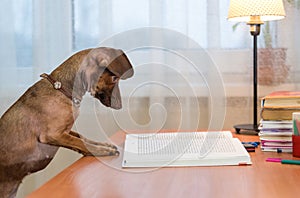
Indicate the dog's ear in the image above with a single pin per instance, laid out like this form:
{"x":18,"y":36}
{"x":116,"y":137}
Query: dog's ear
{"x":99,"y":59}
{"x":115,"y":61}
{"x":120,"y":65}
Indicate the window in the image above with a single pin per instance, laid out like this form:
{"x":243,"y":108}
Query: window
{"x":95,"y":20}
{"x":36,"y":36}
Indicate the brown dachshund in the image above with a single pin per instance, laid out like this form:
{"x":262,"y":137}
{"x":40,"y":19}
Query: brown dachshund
{"x":40,"y":121}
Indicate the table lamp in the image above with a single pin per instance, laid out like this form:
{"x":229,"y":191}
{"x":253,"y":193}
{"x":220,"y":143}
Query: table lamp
{"x":254,"y":13}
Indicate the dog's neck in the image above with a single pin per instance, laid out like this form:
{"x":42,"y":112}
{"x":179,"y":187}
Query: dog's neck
{"x":75,"y":98}
{"x":68,"y":74}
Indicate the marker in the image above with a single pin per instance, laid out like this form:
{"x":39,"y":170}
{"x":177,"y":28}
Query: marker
{"x":283,"y":161}
{"x":295,"y":128}
{"x":273,"y":159}
{"x":296,"y":162}
{"x":255,"y":144}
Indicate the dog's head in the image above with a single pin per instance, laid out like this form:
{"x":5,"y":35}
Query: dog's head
{"x":102,"y":69}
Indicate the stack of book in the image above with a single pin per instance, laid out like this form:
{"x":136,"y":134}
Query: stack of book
{"x":276,"y":120}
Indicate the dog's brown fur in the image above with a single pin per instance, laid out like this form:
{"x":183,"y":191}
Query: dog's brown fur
{"x":40,"y":121}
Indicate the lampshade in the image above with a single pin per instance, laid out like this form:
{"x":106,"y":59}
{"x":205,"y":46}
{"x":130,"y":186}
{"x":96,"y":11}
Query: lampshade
{"x":265,"y":10}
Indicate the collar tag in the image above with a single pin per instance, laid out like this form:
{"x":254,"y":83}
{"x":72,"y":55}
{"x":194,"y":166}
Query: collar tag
{"x":57,"y":85}
{"x":76,"y":102}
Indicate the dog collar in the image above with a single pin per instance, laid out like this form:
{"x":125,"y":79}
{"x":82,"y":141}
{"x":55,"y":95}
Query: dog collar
{"x":58,"y":86}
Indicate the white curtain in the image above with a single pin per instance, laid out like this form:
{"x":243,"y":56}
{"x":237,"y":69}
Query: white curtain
{"x":35,"y":37}
{"x":192,"y":71}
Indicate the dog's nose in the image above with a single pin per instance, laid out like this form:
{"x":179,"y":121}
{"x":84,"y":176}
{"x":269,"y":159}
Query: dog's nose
{"x":101,"y":96}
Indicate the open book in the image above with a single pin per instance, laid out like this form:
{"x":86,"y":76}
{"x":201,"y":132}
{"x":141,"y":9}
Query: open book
{"x":184,"y":149}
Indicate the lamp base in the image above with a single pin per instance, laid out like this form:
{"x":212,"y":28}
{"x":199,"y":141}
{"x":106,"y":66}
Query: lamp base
{"x":246,"y":127}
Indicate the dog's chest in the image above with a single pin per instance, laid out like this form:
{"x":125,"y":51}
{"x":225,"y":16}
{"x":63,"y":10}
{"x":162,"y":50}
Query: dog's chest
{"x":41,"y":157}
{"x":41,"y":152}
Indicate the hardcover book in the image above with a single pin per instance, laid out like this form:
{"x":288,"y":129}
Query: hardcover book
{"x":282,"y":99}
{"x":277,"y":113}
{"x":280,"y":105}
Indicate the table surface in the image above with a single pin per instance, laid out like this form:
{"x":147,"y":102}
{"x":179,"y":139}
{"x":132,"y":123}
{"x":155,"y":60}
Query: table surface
{"x":104,"y":177}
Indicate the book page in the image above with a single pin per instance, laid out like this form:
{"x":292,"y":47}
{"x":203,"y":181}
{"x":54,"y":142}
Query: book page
{"x":170,"y":148}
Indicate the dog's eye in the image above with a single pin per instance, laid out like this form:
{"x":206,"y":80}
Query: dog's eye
{"x":114,"y":79}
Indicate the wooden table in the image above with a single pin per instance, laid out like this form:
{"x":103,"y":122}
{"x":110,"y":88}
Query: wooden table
{"x":94,"y":177}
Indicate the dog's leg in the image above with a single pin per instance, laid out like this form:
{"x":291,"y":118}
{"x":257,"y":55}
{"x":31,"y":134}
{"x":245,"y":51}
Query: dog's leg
{"x":9,"y":188}
{"x":77,"y":144}
{"x":91,"y":141}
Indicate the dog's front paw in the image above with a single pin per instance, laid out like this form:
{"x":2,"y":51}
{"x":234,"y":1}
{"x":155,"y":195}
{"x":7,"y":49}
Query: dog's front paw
{"x":100,"y":151}
{"x":110,"y":145}
{"x":117,"y":153}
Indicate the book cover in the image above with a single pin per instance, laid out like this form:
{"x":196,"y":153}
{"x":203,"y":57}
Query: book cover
{"x":277,"y":144}
{"x":282,"y":99}
{"x":272,"y":124}
{"x":283,"y":94}
{"x":275,"y":138}
{"x":278,"y":113}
